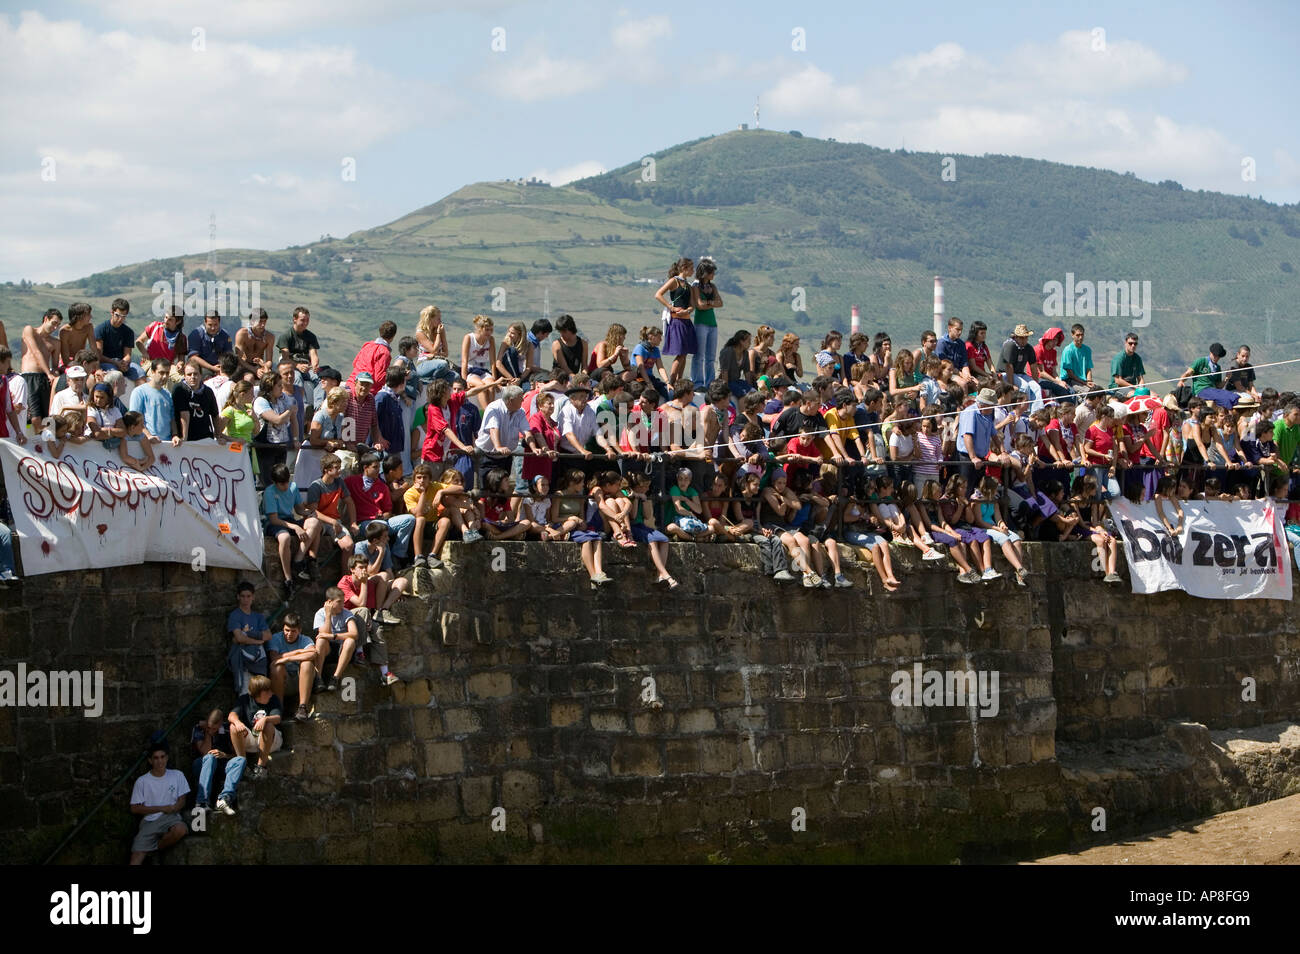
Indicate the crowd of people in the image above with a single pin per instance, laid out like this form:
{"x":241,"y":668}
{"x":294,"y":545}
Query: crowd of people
{"x":545,"y":434}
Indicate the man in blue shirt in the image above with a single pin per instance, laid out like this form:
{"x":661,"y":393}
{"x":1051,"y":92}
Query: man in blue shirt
{"x":952,"y":348}
{"x":209,"y":343}
{"x":116,"y":341}
{"x":154,"y":401}
{"x":536,"y":339}
{"x":975,"y":435}
{"x":249,"y":633}
{"x":293,"y":654}
{"x":389,"y":408}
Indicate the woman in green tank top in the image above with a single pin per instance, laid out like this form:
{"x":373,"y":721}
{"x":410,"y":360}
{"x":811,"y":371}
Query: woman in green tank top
{"x":706,"y":300}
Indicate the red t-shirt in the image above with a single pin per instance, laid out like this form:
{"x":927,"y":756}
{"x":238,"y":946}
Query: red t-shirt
{"x":1068,"y":435}
{"x":373,"y":358}
{"x":1102,"y":441}
{"x":369,"y":503}
{"x":436,"y":422}
{"x":978,"y":355}
{"x":1046,"y":359}
{"x":807,"y":446}
{"x":350,"y":590}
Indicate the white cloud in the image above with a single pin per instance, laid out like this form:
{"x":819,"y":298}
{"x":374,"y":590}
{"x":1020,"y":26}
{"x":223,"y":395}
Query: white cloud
{"x":543,"y":78}
{"x":1062,"y":101}
{"x":148,"y":136}
{"x":638,"y":36}
{"x":566,"y":174}
{"x":259,"y":17}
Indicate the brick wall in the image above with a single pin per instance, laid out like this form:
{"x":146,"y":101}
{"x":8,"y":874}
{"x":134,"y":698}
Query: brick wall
{"x":525,"y":691}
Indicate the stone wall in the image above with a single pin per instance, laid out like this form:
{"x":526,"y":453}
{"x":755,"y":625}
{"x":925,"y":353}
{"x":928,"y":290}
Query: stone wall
{"x":526,"y":692}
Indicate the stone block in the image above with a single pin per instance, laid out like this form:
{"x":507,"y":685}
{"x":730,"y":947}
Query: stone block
{"x":443,"y":758}
{"x":461,"y":720}
{"x":608,"y":720}
{"x":521,"y":790}
{"x":638,"y":757}
{"x":566,"y":713}
{"x":489,"y":685}
{"x":697,"y":720}
{"x":476,"y":795}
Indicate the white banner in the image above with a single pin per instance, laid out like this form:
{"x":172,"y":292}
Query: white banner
{"x":1227,"y":550}
{"x":87,"y":509}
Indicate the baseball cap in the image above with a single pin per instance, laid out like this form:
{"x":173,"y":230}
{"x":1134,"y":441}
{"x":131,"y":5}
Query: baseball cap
{"x":364,"y":376}
{"x":76,"y":371}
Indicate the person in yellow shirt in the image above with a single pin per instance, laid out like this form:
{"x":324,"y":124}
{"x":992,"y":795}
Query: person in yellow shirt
{"x":419,"y":499}
{"x":850,"y":449}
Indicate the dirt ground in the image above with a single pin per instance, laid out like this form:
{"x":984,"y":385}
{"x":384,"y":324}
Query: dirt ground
{"x":1267,"y":834}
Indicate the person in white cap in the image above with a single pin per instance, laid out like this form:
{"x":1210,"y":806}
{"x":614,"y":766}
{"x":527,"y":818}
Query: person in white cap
{"x":74,"y":395}
{"x":1018,"y":364}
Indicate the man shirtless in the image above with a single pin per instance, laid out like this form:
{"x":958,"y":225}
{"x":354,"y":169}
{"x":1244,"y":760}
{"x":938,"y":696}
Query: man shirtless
{"x":255,"y":346}
{"x":79,"y":334}
{"x":40,"y":362}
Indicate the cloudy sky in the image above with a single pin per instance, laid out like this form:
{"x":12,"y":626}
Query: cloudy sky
{"x":127,"y":122}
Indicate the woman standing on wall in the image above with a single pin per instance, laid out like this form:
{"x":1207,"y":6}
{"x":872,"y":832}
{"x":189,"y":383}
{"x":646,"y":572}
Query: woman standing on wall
{"x":705,"y":299}
{"x":680,"y":338}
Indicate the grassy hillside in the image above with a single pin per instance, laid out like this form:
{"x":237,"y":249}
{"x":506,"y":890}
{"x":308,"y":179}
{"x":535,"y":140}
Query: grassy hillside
{"x":850,"y":224}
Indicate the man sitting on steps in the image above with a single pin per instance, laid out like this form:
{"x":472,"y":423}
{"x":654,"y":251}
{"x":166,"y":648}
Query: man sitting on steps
{"x":292,"y":652}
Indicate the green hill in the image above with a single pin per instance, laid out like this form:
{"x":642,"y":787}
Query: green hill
{"x":849,"y":224}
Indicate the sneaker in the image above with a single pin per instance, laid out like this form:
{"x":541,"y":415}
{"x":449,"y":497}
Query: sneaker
{"x":303,"y":573}
{"x":257,"y":771}
{"x":1022,"y":575}
{"x":826,"y":583}
{"x":991,"y":574}
{"x":286,"y":590}
{"x":1112,"y":578}
{"x":842,"y":581}
{"x":435,"y":563}
{"x":927,"y":539}
{"x":8,"y":576}
{"x":391,"y":679}
{"x":360,"y":655}
{"x":421,"y":560}
{"x":332,"y":685}
{"x":932,"y":555}
{"x":387,"y":618}
{"x":472,"y":536}
{"x":784,"y":576}
{"x":970,"y":576}
{"x":601,"y":580}
{"x":225,"y":806}
{"x":301,"y":714}
{"x":811,"y":581}
{"x":318,"y":686}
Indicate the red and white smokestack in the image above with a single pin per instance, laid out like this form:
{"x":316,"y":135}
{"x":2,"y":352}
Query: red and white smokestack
{"x":938,"y":307}
{"x":855,"y":321}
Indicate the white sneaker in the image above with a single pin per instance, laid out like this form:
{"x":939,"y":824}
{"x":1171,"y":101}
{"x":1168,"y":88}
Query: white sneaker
{"x":932,"y":555}
{"x":991,"y":574}
{"x":811,"y":580}
{"x":225,"y":806}
{"x":927,"y":539}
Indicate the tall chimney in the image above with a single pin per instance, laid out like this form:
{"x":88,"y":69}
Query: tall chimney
{"x":855,"y":321}
{"x":938,"y":307}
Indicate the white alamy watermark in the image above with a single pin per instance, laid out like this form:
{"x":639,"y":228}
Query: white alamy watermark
{"x":1096,"y":299}
{"x":59,"y":689}
{"x":198,"y":298}
{"x":941,"y":688}
{"x":76,"y":907}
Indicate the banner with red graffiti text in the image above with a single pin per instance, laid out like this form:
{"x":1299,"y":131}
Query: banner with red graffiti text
{"x":85,"y":509}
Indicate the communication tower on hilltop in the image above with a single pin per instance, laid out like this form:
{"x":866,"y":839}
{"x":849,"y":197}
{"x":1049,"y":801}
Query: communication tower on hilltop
{"x":756,"y":113}
{"x":212,"y":241}
{"x":546,"y":303}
